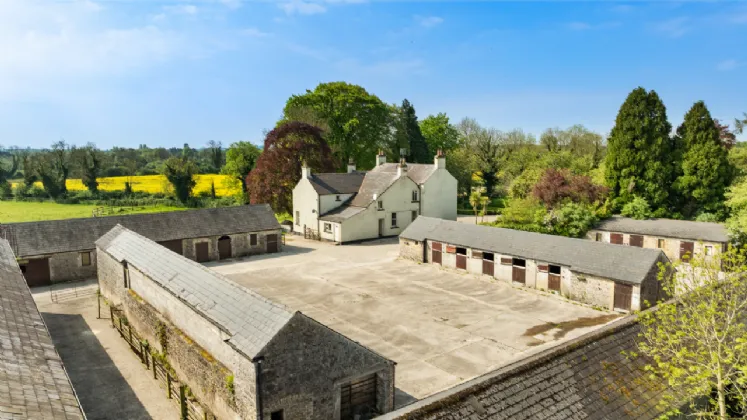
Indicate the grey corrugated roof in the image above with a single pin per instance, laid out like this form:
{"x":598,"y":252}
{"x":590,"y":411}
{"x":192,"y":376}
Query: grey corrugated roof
{"x":249,"y":318}
{"x":341,"y":213}
{"x":681,"y":229}
{"x":33,"y":380}
{"x":373,"y":183}
{"x":627,"y":264}
{"x":585,"y":378}
{"x":337,"y":183}
{"x":52,"y":236}
{"x":418,"y":172}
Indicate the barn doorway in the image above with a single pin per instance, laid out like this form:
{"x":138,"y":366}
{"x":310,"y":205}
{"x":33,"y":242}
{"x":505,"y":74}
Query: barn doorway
{"x":202,"y":252}
{"x":36,"y":272}
{"x":272,"y":243}
{"x":518,"y":273}
{"x":224,"y":248}
{"x":623,"y":296}
{"x":686,"y":250}
{"x":381,"y":228}
{"x":553,"y":278}
{"x":616,"y":238}
{"x":436,"y":253}
{"x":175,"y":245}
{"x":488,"y":263}
{"x":636,"y":240}
{"x":461,"y":258}
{"x":358,"y":399}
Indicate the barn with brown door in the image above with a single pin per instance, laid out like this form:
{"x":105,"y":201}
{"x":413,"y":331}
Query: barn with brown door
{"x":679,"y":239}
{"x":62,"y":250}
{"x":606,"y":275}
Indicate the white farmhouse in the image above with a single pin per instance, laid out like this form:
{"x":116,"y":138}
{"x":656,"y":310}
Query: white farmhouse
{"x":353,"y":206}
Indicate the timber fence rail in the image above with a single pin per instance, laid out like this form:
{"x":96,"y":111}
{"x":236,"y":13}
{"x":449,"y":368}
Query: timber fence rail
{"x":178,"y":393}
{"x":64,"y":291}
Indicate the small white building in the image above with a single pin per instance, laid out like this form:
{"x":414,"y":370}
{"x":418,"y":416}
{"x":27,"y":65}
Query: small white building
{"x":354,"y":206}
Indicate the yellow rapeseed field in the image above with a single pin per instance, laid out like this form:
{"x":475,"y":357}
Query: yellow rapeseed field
{"x":224,"y":184}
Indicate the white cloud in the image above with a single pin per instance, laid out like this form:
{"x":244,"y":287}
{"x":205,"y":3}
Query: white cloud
{"x":255,"y":33}
{"x":429,"y":21}
{"x":728,"y":65}
{"x":182,"y":9}
{"x":673,"y":28}
{"x":232,"y":4}
{"x":302,"y":7}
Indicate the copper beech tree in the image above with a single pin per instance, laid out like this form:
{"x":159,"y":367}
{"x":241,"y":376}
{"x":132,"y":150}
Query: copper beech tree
{"x":278,"y":168}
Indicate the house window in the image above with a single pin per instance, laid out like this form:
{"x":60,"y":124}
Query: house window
{"x":381,"y":205}
{"x":394,"y":220}
{"x":415,"y":195}
{"x":598,"y":237}
{"x":298,"y":218}
{"x":85,"y":259}
{"x":126,"y":275}
{"x":414,"y":215}
{"x":277,"y":415}
{"x":337,"y":198}
{"x":660,"y":244}
{"x":253,"y":239}
{"x":708,"y":250}
{"x":328,"y":228}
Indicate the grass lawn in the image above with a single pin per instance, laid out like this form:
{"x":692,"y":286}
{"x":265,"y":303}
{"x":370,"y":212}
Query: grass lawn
{"x":27,"y":211}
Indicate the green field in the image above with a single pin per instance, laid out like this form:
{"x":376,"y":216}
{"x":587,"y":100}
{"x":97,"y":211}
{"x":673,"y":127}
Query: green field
{"x":25,"y":211}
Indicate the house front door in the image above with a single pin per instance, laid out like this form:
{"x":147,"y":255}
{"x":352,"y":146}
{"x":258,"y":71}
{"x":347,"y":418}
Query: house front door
{"x":381,"y":228}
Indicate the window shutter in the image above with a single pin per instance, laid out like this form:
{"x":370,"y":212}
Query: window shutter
{"x":506,"y":261}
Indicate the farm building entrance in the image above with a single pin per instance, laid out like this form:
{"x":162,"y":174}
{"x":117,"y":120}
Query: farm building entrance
{"x":686,"y":250}
{"x":461,"y":258}
{"x":436,"y":253}
{"x":272,"y":243}
{"x":623,"y":296}
{"x":36,"y":272}
{"x":224,"y":248}
{"x":202,"y":252}
{"x":488,"y":263}
{"x":616,"y":238}
{"x":175,"y":245}
{"x":358,"y":399}
{"x":553,"y":278}
{"x":636,"y":240}
{"x":518,"y":274}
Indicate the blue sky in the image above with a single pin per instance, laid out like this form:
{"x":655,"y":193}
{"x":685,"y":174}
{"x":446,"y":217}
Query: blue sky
{"x":130,"y":72}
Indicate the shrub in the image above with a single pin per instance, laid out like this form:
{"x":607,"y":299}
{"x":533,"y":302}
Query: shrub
{"x":556,"y":186}
{"x":707,"y":217}
{"x":571,"y":219}
{"x":638,"y":208}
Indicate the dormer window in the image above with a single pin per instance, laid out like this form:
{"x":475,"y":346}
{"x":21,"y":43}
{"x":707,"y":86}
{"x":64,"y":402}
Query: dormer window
{"x":414,"y":196}
{"x":380,"y":205}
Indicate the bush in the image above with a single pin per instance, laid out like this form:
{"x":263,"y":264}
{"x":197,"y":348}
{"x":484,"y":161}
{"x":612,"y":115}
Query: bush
{"x":5,"y":190}
{"x":571,"y":219}
{"x":637,"y":209}
{"x":708,"y":217}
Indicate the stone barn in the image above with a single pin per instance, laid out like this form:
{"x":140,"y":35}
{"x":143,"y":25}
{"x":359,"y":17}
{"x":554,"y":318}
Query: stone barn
{"x":280,"y":364}
{"x":604,"y":275}
{"x":62,"y":250}
{"x":33,"y":381}
{"x":677,"y":238}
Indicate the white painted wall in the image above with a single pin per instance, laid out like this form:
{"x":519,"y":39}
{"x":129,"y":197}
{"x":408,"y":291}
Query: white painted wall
{"x":306,"y":202}
{"x":439,"y":195}
{"x":329,"y":202}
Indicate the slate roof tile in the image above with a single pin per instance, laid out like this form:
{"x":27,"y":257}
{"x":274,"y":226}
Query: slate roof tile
{"x":337,"y":183}
{"x":680,"y":229}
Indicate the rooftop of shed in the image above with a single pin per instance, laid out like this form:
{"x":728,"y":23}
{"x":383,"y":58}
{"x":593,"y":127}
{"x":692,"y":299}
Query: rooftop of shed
{"x":669,"y":228}
{"x":33,"y":380}
{"x":626,"y":264}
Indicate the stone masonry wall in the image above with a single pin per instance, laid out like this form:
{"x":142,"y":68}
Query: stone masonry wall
{"x":110,"y":272}
{"x":592,"y":290}
{"x":306,"y":365}
{"x":68,"y":266}
{"x":240,"y":244}
{"x":411,"y":250}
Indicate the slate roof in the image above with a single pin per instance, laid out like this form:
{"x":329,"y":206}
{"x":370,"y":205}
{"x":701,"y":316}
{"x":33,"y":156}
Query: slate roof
{"x":33,"y":380}
{"x":625,"y":264}
{"x":249,"y":319}
{"x":339,"y":214}
{"x":54,"y":236}
{"x":585,"y":378}
{"x":669,"y":228}
{"x":373,"y":183}
{"x":337,"y":183}
{"x":418,"y":172}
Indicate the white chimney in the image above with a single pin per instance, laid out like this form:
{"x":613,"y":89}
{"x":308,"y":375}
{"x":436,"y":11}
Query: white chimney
{"x":440,"y":160}
{"x":401,"y":168}
{"x":305,"y":171}
{"x":351,"y":165}
{"x":380,"y":158}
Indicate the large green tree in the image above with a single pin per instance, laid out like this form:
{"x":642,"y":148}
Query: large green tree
{"x":638,"y":160}
{"x":705,"y":169}
{"x":439,"y":133}
{"x":180,"y":172}
{"x":357,"y":121}
{"x":241,"y":157}
{"x":407,"y":133}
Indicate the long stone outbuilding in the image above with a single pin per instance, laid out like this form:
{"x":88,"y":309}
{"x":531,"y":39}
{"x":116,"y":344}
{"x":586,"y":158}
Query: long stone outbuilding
{"x":61,"y":250}
{"x":604,"y":275}
{"x":33,"y":381}
{"x":281,"y":364}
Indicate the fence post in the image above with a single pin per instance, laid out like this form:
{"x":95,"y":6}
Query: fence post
{"x":129,"y":328}
{"x":168,"y":382}
{"x":142,"y":353}
{"x":183,"y":401}
{"x":153,"y":359}
{"x":121,"y":334}
{"x":111,"y":314}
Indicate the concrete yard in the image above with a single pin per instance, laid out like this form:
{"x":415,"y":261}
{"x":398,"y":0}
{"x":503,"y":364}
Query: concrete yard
{"x":442,"y":327}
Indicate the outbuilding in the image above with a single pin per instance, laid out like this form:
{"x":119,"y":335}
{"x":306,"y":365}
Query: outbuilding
{"x":62,"y":250}
{"x":600,"y":274}
{"x":679,"y":239}
{"x":241,"y":354}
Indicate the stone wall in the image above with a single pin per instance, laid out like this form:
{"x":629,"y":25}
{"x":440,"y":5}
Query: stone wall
{"x":671,"y":246}
{"x":593,"y":290}
{"x":67,"y":266}
{"x":110,"y":275}
{"x":305,"y":366}
{"x":240,"y":244}
{"x":411,"y":250}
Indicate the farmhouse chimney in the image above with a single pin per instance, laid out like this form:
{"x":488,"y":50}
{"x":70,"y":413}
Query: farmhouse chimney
{"x":440,"y":160}
{"x":351,"y":165}
{"x":401,"y":168}
{"x":305,"y":170}
{"x":380,"y":158}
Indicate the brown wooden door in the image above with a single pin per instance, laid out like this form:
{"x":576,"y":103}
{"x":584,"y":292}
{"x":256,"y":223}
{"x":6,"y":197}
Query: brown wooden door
{"x":272,"y":243}
{"x":175,"y":245}
{"x":623,"y":296}
{"x":36,"y":272}
{"x":488,"y":267}
{"x":553,"y":282}
{"x":686,"y":250}
{"x":636,"y":240}
{"x":518,"y":274}
{"x":202,"y":251}
{"x":435,"y":256}
{"x":358,"y":399}
{"x":461,"y":261}
{"x":224,"y":248}
{"x":616,"y":238}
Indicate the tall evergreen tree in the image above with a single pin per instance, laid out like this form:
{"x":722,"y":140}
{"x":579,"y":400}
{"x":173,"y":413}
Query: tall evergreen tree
{"x":638,"y":160}
{"x":408,"y":133}
{"x":706,"y":171}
